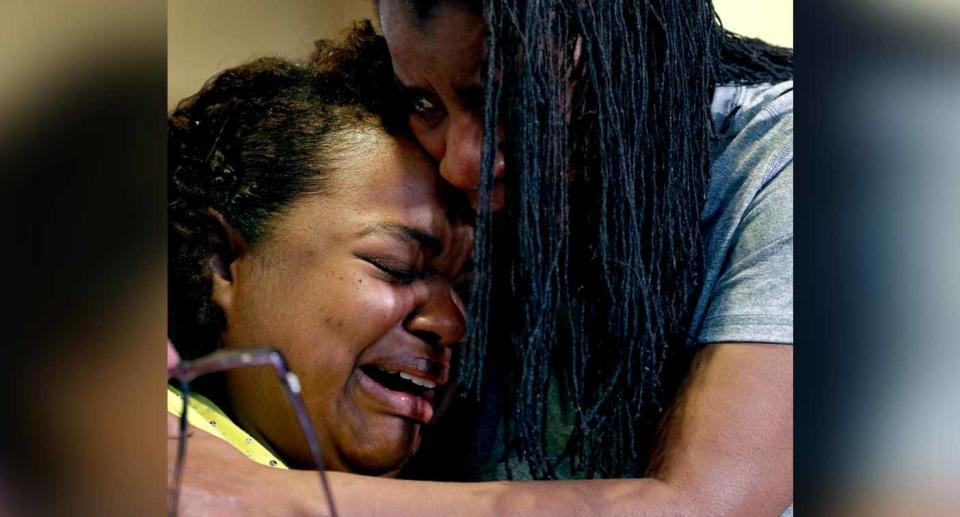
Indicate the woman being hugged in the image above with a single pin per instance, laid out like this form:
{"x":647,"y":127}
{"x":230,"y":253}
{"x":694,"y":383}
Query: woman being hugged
{"x":297,"y":221}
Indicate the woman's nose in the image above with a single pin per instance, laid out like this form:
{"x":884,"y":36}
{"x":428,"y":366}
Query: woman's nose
{"x":441,"y":320}
{"x":460,"y":164}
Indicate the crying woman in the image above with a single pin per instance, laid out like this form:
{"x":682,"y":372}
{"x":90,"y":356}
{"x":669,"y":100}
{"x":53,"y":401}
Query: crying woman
{"x":297,"y":221}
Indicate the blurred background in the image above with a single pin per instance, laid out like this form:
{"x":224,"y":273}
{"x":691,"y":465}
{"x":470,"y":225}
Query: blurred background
{"x":204,"y":37}
{"x":207,"y":36}
{"x":84,"y":97}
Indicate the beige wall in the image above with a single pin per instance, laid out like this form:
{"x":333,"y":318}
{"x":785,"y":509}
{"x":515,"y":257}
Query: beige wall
{"x":206,"y":36}
{"x":770,"y":20}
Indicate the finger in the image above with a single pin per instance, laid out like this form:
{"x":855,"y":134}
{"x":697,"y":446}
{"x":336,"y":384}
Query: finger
{"x":172,"y":357}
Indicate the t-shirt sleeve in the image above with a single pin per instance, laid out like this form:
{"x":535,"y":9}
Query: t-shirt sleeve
{"x":752,"y":301}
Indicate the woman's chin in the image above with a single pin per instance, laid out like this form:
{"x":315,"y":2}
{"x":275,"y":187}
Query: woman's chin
{"x":387,"y":448}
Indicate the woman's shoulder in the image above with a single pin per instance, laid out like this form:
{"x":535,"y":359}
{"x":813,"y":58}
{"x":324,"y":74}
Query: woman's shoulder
{"x":747,"y":220}
{"x":752,"y":144}
{"x":734,"y":107}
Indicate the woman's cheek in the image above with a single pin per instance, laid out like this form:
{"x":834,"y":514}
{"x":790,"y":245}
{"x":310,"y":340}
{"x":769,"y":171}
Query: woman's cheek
{"x":432,"y":139}
{"x":380,"y":305}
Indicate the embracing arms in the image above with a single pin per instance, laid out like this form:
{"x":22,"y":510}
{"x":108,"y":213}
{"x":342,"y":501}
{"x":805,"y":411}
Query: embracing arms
{"x":727,"y":450}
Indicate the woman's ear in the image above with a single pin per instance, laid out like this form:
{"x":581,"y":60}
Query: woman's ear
{"x":226,"y":245}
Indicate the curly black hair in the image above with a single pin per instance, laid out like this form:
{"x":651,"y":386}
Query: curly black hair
{"x":253,"y":139}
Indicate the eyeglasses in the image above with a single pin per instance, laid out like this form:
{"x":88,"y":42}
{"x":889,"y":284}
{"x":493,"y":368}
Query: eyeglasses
{"x":224,"y":360}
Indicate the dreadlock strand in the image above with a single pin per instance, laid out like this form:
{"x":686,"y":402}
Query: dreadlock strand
{"x":597,"y":271}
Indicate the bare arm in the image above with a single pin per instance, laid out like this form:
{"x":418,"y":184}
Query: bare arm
{"x":727,"y":450}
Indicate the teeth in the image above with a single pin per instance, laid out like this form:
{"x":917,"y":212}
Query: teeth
{"x":419,"y":382}
{"x":422,"y":382}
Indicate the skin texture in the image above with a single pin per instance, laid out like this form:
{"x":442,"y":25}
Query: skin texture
{"x":726,"y":446}
{"x":339,"y":283}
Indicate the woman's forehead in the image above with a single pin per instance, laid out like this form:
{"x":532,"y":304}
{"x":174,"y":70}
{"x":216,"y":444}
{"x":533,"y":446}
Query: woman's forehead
{"x":451,"y":39}
{"x":374,"y":163}
{"x":384,"y":177}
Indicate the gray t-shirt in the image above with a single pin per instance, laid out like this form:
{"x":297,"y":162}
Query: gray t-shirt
{"x":748,"y":219}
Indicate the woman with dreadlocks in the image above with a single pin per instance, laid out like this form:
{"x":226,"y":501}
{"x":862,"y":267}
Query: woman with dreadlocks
{"x":630,"y":162}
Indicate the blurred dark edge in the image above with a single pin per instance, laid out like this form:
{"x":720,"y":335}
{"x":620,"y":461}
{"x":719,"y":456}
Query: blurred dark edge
{"x":865,"y":141}
{"x":82,"y":198}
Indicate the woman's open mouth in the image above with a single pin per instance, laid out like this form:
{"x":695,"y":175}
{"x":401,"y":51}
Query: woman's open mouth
{"x":402,"y":394}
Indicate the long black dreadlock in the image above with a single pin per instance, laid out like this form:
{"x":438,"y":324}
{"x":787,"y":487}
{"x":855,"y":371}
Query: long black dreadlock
{"x":600,"y":264}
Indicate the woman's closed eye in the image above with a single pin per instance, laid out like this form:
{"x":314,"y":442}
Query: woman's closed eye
{"x":399,"y":271}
